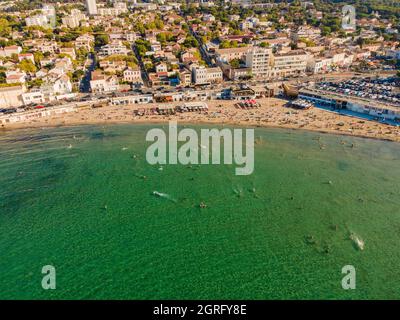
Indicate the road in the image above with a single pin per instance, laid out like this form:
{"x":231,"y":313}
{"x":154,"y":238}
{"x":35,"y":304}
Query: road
{"x":143,"y":70}
{"x":203,"y":51}
{"x":229,"y":84}
{"x":85,"y":82}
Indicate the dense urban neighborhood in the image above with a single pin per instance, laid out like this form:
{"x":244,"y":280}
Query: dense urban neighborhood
{"x":162,"y":51}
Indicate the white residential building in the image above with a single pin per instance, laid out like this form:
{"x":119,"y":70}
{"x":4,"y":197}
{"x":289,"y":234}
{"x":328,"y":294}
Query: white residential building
{"x":208,"y":18}
{"x":26,"y":56}
{"x":161,"y":67}
{"x":71,"y":21}
{"x":203,"y":75}
{"x":11,"y":96}
{"x":260,"y":61}
{"x":249,"y":23}
{"x":103,"y":83}
{"x":62,"y":85}
{"x":15,"y":76}
{"x":119,"y":8}
{"x":85,"y":41}
{"x":289,"y":64}
{"x":33,"y":97}
{"x":319,"y":65}
{"x":305,"y":32}
{"x":9,"y":51}
{"x":113,"y":48}
{"x":37,"y":20}
{"x":46,"y":46}
{"x":226,"y":55}
{"x":132,"y":75}
{"x":68,"y":51}
{"x":91,"y":7}
{"x":131,"y":36}
{"x":59,"y":86}
{"x":185,"y":77}
{"x":145,"y":6}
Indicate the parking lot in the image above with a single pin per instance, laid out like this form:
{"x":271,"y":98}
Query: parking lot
{"x":384,"y":90}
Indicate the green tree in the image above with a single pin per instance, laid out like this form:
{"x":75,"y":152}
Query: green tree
{"x":35,"y":83}
{"x":190,"y":42}
{"x":326,"y":30}
{"x":162,"y":37}
{"x":159,"y":24}
{"x":235,"y":63}
{"x":2,"y":77}
{"x":38,"y":56}
{"x":5,"y":28}
{"x":101,"y":40}
{"x":27,"y":66}
{"x":77,"y":75}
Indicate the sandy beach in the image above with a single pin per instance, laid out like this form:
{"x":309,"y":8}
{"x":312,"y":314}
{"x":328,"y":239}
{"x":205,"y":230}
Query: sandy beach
{"x":272,"y":113}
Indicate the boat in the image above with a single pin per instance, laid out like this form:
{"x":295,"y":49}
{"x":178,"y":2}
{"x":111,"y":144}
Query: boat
{"x":358,"y":242}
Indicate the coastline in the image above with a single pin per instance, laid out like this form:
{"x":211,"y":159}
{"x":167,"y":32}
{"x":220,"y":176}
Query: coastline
{"x":271,"y":114}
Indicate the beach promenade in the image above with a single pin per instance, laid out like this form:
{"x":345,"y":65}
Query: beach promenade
{"x":271,"y":113}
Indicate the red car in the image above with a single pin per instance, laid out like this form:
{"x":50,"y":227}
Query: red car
{"x":39,"y":107}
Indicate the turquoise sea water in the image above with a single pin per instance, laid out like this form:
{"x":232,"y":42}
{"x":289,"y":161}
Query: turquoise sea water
{"x":81,"y":199}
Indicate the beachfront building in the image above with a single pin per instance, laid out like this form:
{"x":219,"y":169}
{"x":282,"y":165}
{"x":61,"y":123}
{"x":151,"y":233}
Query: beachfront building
{"x":203,"y":75}
{"x":239,"y":73}
{"x":185,"y":77}
{"x":32,"y":115}
{"x":33,"y":97}
{"x":259,"y":60}
{"x":103,"y":83}
{"x":62,"y":85}
{"x":132,"y":99}
{"x":55,"y":88}
{"x":289,"y":64}
{"x":319,"y":65}
{"x":11,"y":96}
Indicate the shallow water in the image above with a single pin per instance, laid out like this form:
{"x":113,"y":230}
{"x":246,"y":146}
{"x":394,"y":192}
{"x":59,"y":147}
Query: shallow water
{"x":82,"y":199}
